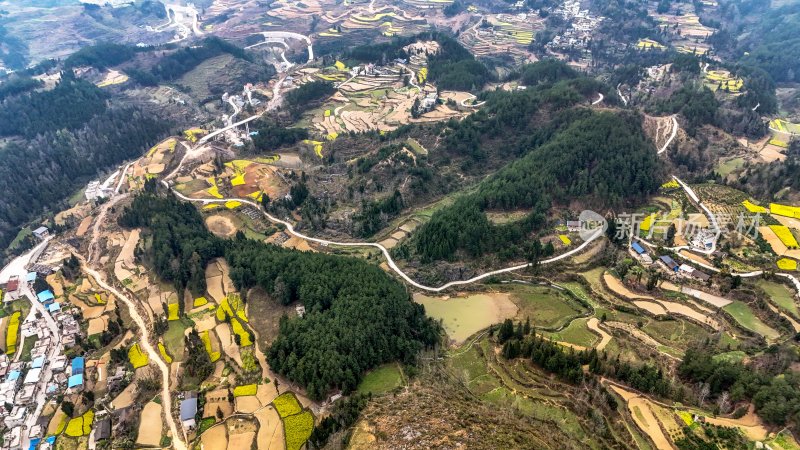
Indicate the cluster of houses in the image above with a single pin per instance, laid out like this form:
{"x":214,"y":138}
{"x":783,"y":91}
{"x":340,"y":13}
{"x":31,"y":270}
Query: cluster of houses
{"x":27,"y":383}
{"x":669,"y":264}
{"x":582,"y":24}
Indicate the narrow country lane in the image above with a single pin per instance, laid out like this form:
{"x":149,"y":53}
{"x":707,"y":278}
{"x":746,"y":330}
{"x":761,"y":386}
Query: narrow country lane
{"x":144,"y":342}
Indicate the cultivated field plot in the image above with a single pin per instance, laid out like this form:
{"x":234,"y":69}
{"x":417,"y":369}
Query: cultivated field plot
{"x":506,"y":34}
{"x":96,"y":306}
{"x":152,"y":164}
{"x":290,"y":9}
{"x":376,"y":98}
{"x":241,"y":178}
{"x":783,"y":132}
{"x":723,"y":81}
{"x":649,"y":44}
{"x":388,"y":20}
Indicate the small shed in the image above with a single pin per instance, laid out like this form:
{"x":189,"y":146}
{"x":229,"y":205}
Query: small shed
{"x":637,"y":248}
{"x":41,"y":233}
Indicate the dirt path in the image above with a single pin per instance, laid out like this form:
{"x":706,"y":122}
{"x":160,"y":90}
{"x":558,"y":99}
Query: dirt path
{"x":594,"y":325}
{"x":750,"y":424}
{"x":144,"y":342}
{"x":643,"y":416}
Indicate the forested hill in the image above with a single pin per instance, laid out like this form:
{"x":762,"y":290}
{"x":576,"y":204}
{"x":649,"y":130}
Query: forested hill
{"x":41,"y":173}
{"x":357,"y":317}
{"x":601,"y":159}
{"x":70,"y":105}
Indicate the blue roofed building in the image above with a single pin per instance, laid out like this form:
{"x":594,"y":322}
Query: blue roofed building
{"x":75,"y":382}
{"x":188,"y":413}
{"x":38,"y":362}
{"x":46,"y":297}
{"x":78,"y":364}
{"x":30,"y":277}
{"x":54,"y":307}
{"x":637,"y":248}
{"x":670,"y":263}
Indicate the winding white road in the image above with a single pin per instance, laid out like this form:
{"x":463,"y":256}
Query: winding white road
{"x":290,"y":229}
{"x":624,"y":99}
{"x":671,"y":136}
{"x":599,"y":99}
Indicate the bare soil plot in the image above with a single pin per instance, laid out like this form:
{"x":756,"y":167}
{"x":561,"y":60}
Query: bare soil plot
{"x":711,"y":299}
{"x":617,"y":287}
{"x":220,"y":225}
{"x":651,"y":307}
{"x":97,"y":325}
{"x":270,"y":430}
{"x":126,"y":397}
{"x":84,"y":226}
{"x":750,"y":424}
{"x":215,"y":438}
{"x":679,"y":308}
{"x":241,"y":441}
{"x":227,"y":343}
{"x":150,"y":426}
{"x":247,"y":404}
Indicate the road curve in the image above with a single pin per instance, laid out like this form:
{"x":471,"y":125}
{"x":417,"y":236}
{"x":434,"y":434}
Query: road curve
{"x":389,"y":260}
{"x":671,"y":137}
{"x":599,"y":99}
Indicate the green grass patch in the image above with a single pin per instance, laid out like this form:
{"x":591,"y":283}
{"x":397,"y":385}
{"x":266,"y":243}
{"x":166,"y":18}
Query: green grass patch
{"x":780,"y":295}
{"x":205,"y":424}
{"x":576,"y":333}
{"x":746,"y":318}
{"x":174,"y":338}
{"x":545,"y":306}
{"x":27,"y":346}
{"x":735,"y":356}
{"x":382,"y":380}
{"x":725,"y":168}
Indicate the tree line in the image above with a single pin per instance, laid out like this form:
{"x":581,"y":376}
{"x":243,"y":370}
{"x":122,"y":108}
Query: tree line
{"x":523,"y":342}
